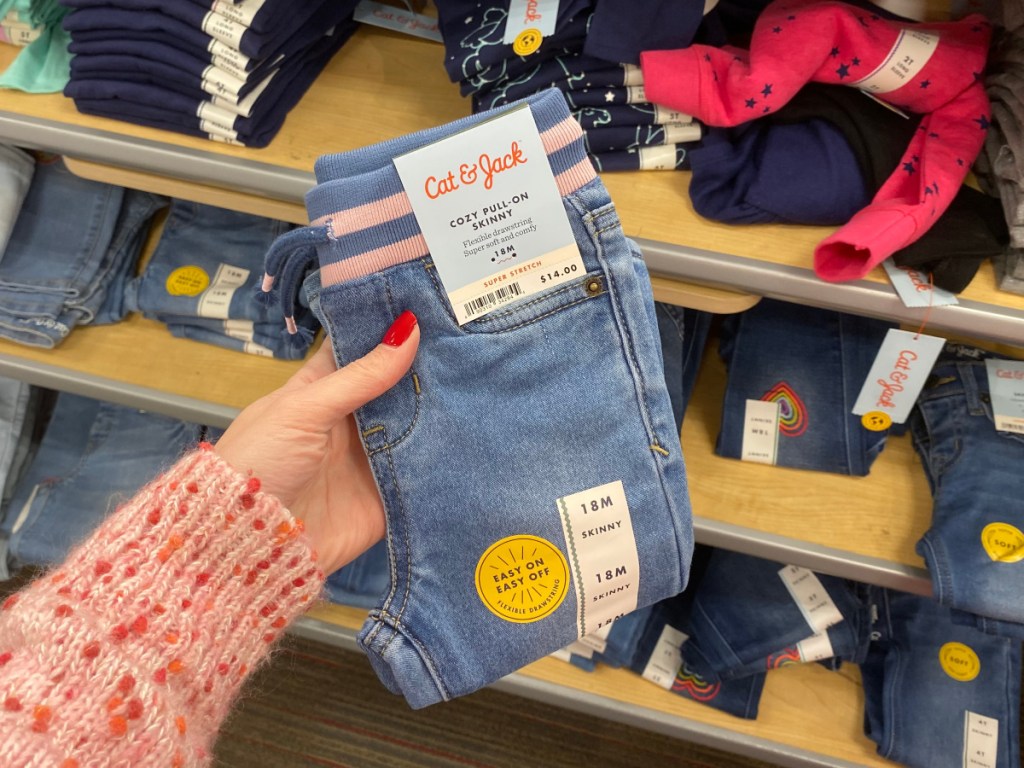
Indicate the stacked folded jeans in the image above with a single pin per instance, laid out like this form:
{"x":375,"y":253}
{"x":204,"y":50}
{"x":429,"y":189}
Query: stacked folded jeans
{"x":226,"y":71}
{"x":622,"y":130}
{"x":92,"y":456}
{"x":70,"y":253}
{"x":202,"y":279}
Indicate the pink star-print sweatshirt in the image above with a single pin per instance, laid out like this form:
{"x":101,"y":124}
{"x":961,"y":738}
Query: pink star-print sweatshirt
{"x":930,"y":69}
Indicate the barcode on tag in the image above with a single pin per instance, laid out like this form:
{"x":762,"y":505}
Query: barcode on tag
{"x":811,"y":598}
{"x":493,"y":299}
{"x":1005,"y":424}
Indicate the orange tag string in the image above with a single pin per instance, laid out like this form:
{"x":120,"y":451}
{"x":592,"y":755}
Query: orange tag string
{"x":928,"y":309}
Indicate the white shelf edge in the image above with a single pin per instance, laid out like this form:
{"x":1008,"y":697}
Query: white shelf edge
{"x":88,"y":385}
{"x":801,"y":286}
{"x":645,"y":718}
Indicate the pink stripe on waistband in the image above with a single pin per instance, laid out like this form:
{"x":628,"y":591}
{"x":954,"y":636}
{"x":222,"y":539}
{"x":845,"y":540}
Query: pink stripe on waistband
{"x":561,"y":135}
{"x":374,"y":261}
{"x":367,"y":215}
{"x":574,"y":178}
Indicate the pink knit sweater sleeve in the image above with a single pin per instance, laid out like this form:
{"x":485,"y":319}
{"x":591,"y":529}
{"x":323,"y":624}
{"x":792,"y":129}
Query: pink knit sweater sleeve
{"x":132,"y":651}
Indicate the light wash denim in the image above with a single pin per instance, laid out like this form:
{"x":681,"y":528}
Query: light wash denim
{"x":813,"y":363}
{"x":47,"y":287}
{"x":497,"y":420}
{"x":201,"y":240}
{"x":93,"y":456}
{"x":16,"y":169}
{"x":915,"y":710}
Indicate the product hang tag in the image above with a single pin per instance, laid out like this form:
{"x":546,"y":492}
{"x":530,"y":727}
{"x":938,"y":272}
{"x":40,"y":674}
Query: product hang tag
{"x":1006,"y":388}
{"x":898,"y":375}
{"x":524,"y":16}
{"x":389,"y":17}
{"x":915,"y":289}
{"x":490,"y":211}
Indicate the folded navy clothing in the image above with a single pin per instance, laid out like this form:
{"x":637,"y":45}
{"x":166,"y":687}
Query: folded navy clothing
{"x":473,"y":35}
{"x":566,"y":64}
{"x":164,"y":62}
{"x":644,"y":113}
{"x":163,"y":108}
{"x":671,"y":157}
{"x":598,"y":140}
{"x":761,"y":172}
{"x":178,"y":15}
{"x":620,"y":30}
{"x":513,"y":88}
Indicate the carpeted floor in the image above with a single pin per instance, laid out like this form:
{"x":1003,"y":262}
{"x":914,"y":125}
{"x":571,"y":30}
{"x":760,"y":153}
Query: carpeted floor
{"x":316,"y":705}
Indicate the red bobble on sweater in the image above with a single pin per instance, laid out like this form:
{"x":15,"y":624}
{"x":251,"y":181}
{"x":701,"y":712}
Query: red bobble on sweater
{"x":140,"y":625}
{"x":153,"y":517}
{"x":248,"y":500}
{"x":63,"y":610}
{"x":91,"y":650}
{"x":12,"y":704}
{"x":102,"y":567}
{"x":5,"y":657}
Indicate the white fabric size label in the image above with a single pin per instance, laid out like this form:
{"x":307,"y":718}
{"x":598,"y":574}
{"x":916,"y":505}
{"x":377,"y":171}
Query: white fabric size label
{"x":666,"y":116}
{"x":908,"y":56}
{"x":658,"y":158}
{"x":524,"y":15}
{"x":241,"y":13}
{"x":605,"y":565}
{"x":760,"y":431}
{"x":680,"y":133}
{"x":898,"y":374}
{"x":224,"y":29}
{"x":220,"y":82}
{"x":632,"y":75}
{"x":597,"y":640}
{"x":981,"y":741}
{"x":215,"y":301}
{"x":228,"y":58}
{"x":489,"y":208}
{"x":811,"y":597}
{"x":244,"y":105}
{"x":635,"y":94}
{"x":666,"y":659}
{"x":815,"y":648}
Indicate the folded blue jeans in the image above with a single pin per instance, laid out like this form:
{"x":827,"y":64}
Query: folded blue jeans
{"x":972,"y":547}
{"x":745,"y":619}
{"x":574,"y":371}
{"x":669,"y":620}
{"x":812,"y":362}
{"x":936,"y":693}
{"x":93,"y":456}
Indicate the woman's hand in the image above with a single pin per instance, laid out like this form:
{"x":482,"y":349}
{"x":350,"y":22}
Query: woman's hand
{"x":301,"y":441}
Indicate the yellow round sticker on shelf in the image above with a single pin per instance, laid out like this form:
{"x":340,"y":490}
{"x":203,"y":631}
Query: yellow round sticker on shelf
{"x":187,"y":281}
{"x":959,"y":661}
{"x":527,"y":41}
{"x":1003,"y":542}
{"x":522,"y":578}
{"x":876,"y":421}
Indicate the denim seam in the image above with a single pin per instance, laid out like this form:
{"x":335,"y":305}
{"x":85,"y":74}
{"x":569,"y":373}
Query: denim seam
{"x":407,"y":587}
{"x":889,"y":706}
{"x":418,"y":393}
{"x":393,"y":586}
{"x":423,"y":651}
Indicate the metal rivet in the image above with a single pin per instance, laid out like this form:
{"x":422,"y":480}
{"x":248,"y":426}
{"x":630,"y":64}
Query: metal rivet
{"x":593,"y":286}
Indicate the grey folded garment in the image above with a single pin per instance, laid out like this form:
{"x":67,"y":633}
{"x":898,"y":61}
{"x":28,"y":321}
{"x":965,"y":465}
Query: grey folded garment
{"x":1010,"y":271}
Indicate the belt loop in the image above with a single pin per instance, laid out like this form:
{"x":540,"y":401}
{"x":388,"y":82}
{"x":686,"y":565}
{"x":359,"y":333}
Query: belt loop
{"x":972,"y":392}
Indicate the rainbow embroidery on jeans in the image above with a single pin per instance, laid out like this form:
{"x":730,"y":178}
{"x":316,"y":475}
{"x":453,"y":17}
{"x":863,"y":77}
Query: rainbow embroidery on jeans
{"x":783,"y":658}
{"x":693,"y":685}
{"x":792,"y":411}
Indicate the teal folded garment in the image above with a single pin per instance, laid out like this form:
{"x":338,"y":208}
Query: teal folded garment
{"x":44,"y":65}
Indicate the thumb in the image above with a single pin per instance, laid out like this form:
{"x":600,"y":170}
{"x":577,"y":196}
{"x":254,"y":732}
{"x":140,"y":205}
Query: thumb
{"x":328,"y":400}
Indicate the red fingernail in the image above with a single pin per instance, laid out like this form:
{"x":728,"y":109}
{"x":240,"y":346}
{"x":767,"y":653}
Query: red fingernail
{"x":400,"y":330}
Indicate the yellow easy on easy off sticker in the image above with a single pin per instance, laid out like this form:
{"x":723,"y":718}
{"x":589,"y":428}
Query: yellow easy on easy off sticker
{"x":527,"y":41}
{"x":522,"y":578}
{"x":1003,"y":542}
{"x":187,"y":281}
{"x":959,"y":661}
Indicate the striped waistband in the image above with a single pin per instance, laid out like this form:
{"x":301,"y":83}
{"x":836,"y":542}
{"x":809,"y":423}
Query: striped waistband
{"x":369,"y":217}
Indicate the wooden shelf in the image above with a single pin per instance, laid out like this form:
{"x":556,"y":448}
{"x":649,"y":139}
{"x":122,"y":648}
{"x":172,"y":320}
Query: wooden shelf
{"x":347,"y":108}
{"x":808,"y":715}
